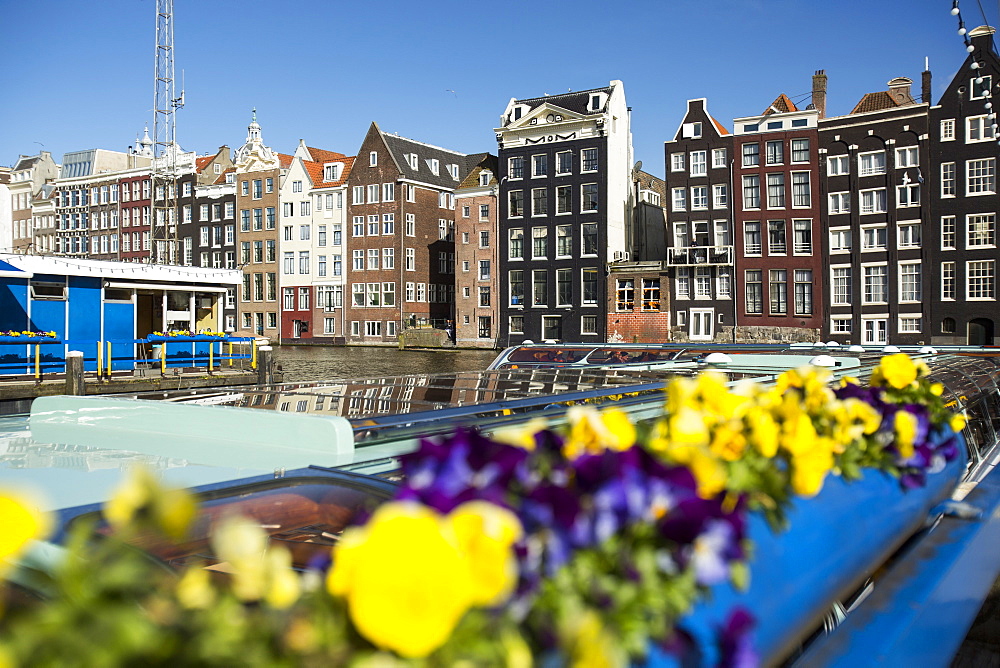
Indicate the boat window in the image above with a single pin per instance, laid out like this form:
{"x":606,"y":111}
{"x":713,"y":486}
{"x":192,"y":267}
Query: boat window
{"x":613,"y":355}
{"x":548,"y":355}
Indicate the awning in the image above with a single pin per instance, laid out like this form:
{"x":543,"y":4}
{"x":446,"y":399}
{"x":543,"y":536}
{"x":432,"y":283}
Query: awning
{"x":164,"y":286}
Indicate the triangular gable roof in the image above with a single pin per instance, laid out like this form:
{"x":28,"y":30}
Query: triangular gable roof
{"x":26,"y":161}
{"x":719,"y":127}
{"x":780,"y":105}
{"x":201,"y":163}
{"x":543,"y":110}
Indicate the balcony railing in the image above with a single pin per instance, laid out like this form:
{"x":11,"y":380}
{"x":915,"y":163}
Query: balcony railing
{"x":706,"y":255}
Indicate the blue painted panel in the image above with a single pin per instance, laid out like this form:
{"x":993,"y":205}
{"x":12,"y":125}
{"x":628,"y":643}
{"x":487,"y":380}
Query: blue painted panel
{"x":118,"y":325}
{"x":13,"y":304}
{"x":50,"y":316}
{"x":85,"y":315}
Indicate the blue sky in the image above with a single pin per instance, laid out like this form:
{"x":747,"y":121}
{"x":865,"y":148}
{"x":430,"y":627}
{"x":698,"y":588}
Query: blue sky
{"x":79,"y":74}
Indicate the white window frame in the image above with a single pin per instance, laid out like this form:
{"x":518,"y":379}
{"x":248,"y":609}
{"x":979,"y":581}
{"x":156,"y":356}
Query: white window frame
{"x":838,"y":165}
{"x":904,"y":268}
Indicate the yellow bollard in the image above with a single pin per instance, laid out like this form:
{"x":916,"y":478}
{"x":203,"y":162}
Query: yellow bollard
{"x":38,"y":361}
{"x":100,"y":359}
{"x":163,"y":358}
{"x":211,"y":349}
{"x":253,"y":354}
{"x":230,"y":353}
{"x":109,"y":359}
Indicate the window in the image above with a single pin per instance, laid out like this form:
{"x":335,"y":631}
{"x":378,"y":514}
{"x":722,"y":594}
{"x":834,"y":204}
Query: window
{"x":803,"y":292}
{"x":908,"y":235}
{"x":625,"y":294}
{"x":258,"y":219}
{"x":517,"y":324}
{"x":801,"y":190}
{"x":388,"y":192}
{"x":564,"y":287}
{"x":751,"y":238}
{"x":908,"y":195}
{"x":948,"y":232}
{"x":778,"y":290}
{"x":373,"y":159}
{"x":411,"y":192}
{"x":909,"y":324}
{"x":564,"y":162}
{"x":677,"y":162}
{"x":724,"y":283}
{"x":411,"y":225}
{"x":981,"y":177}
{"x":909,"y":282}
{"x":258,"y":251}
{"x":720,"y":196}
{"x":563,"y":204}
{"x":978,"y":128}
{"x":289,"y":262}
{"x":776,"y":242}
{"x":485,"y":326}
{"x":682,"y":283}
{"x":979,"y":87}
{"x":948,"y":188}
{"x":358,"y":260}
{"x":699,"y":197}
{"x":754,"y":294}
{"x":699,"y":163}
{"x":907,"y":156}
{"x":948,"y":288}
{"x":484,"y":270}
{"x":373,"y":226}
{"x":838,"y":165}
{"x":539,"y":165}
{"x":516,"y":207}
{"x":981,"y":230}
{"x":588,"y":324}
{"x":358,"y":195}
{"x":589,"y":285}
{"x":358,"y":226}
{"x":751,"y":192}
{"x":589,"y":200}
{"x":718,"y":157}
{"x":373,"y":256}
{"x":374,"y":294}
{"x":702,"y":283}
{"x":875,"y":287}
{"x":802,"y":241}
{"x":389,"y":294}
{"x":650,"y":294}
{"x":373,"y":193}
{"x":776,"y":191}
{"x":484,"y":212}
{"x":564,"y":241}
{"x":589,"y":238}
{"x":388,"y":223}
{"x":871,"y":164}
{"x":539,"y":280}
{"x":515,"y":247}
{"x":841,"y":286}
{"x":257,"y":191}
{"x":840,"y":202}
{"x":589,"y":160}
{"x":751,"y":155}
{"x":681,"y":237}
{"x":373,"y":327}
{"x":303,"y":299}
{"x":388,"y":258}
{"x":775,"y":152}
{"x":979,"y":277}
{"x":484,"y":295}
{"x":269,"y":185}
{"x":679,"y":199}
{"x":948,"y":129}
{"x":516,"y":287}
{"x":539,"y":242}
{"x":539,"y":202}
{"x":515,"y":167}
{"x":800,"y":150}
{"x":551,"y":327}
{"x":873,"y":201}
{"x":303,"y":262}
{"x":840,"y":325}
{"x":873,"y":237}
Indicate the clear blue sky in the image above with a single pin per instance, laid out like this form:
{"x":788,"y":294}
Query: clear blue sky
{"x":79,"y":75}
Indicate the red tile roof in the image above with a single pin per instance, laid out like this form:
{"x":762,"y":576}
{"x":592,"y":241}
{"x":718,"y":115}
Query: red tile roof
{"x":222,"y":177}
{"x":315,"y":170}
{"x":203,"y":162}
{"x":322,"y":155}
{"x":285,"y":160}
{"x":718,"y":126}
{"x":875,"y":102}
{"x":780,"y":105}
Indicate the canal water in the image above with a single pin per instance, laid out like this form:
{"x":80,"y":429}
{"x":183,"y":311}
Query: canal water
{"x":303,"y":363}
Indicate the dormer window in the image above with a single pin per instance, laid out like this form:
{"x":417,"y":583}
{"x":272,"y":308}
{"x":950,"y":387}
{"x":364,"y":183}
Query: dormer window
{"x":595,"y":102}
{"x":435,"y":166}
{"x":454,"y":171}
{"x":412,"y":159}
{"x":218,"y":169}
{"x":231,"y":177}
{"x":484,"y":178}
{"x":373,"y":159}
{"x":331,"y":172}
{"x":691,"y":131}
{"x":519,"y":111}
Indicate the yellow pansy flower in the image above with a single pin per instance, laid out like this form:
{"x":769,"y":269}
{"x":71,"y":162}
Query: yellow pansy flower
{"x":957,"y":422}
{"x":809,"y":470}
{"x":897,"y":370}
{"x":905,"y":426}
{"x":21,"y":523}
{"x":522,"y":436}
{"x":409,"y":605}
{"x":592,"y":431}
{"x":486,"y":534}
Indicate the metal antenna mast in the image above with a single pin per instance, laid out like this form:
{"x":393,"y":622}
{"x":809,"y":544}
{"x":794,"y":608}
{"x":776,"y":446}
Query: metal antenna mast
{"x":165,"y":104}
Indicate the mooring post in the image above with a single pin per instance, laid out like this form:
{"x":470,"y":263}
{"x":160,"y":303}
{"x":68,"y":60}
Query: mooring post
{"x":265,"y":366}
{"x":75,"y":384}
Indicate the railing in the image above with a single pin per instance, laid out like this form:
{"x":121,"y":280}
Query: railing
{"x":707,"y":255}
{"x":104,"y":356}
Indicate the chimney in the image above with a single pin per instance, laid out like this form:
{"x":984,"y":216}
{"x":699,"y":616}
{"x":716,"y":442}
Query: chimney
{"x":819,"y":92}
{"x":925,"y":83}
{"x":982,"y":39}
